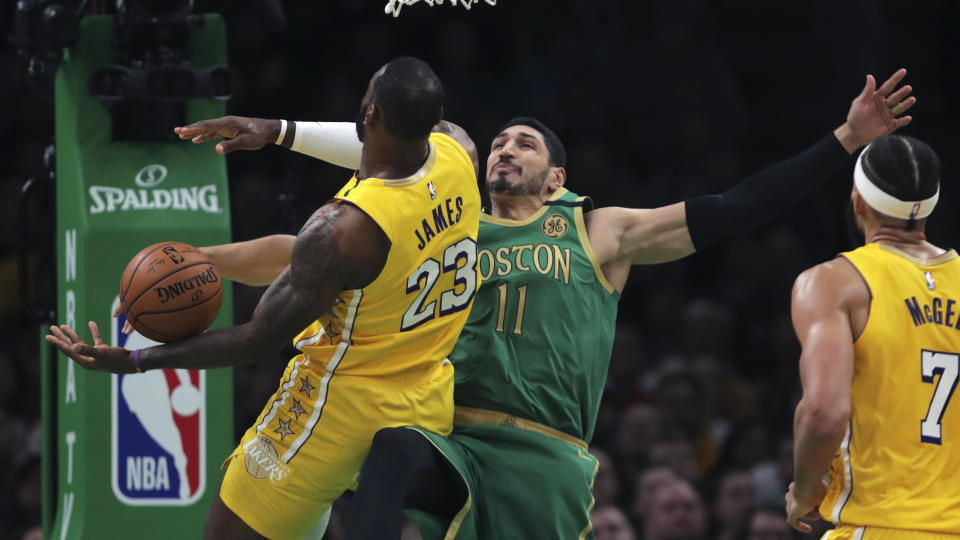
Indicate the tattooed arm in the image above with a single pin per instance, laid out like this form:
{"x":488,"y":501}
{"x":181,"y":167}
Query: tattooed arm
{"x":340,"y":247}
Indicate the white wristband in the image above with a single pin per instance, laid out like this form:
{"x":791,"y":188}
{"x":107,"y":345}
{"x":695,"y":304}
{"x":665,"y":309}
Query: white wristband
{"x":333,"y":142}
{"x":283,"y":131}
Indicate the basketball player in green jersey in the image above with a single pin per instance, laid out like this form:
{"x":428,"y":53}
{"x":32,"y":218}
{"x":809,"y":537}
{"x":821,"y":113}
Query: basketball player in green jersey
{"x":532,"y":361}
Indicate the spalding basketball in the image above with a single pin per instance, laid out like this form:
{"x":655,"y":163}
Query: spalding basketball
{"x":170,"y":291}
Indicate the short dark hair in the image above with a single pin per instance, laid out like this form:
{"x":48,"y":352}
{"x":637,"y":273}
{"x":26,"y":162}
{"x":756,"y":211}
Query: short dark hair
{"x":410,"y":96}
{"x":903,"y":167}
{"x":557,"y":154}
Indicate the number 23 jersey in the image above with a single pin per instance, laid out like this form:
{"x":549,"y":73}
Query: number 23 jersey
{"x":898,"y":461}
{"x":408,"y":319}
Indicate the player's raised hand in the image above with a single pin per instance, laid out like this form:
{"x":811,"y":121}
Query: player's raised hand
{"x":99,"y":357}
{"x":127,"y":327}
{"x":242,"y":133}
{"x":877,"y":111}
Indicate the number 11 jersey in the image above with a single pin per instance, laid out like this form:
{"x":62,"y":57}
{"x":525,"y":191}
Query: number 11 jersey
{"x":538,"y":341}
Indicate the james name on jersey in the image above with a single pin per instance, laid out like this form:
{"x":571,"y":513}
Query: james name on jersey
{"x":443,"y":216}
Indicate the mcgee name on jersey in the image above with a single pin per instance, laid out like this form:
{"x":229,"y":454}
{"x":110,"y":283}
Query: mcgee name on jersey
{"x":934,"y":312}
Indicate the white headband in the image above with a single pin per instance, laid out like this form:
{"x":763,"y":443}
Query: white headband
{"x":887,"y":204}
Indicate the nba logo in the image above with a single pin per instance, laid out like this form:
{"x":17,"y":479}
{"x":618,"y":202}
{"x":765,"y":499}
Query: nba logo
{"x":157,"y":432}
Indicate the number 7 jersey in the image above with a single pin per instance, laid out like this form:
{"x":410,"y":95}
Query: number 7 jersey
{"x":898,"y":462}
{"x":408,"y":319}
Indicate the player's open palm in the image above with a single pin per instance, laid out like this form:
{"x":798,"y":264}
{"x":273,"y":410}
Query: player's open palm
{"x":879,"y":111}
{"x":242,"y":133}
{"x":99,"y":356}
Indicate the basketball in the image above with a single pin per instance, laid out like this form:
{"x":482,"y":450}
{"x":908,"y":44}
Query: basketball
{"x":170,"y":291}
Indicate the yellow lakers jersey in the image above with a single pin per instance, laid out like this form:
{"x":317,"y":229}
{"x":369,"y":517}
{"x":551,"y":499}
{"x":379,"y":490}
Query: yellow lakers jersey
{"x":899,"y":460}
{"x":409,"y":318}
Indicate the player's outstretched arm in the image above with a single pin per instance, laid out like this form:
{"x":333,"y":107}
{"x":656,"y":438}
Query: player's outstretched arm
{"x":334,"y":142}
{"x":254,"y":262}
{"x":339,"y":248}
{"x":242,"y":133}
{"x":647,"y":236}
{"x":823,"y":299}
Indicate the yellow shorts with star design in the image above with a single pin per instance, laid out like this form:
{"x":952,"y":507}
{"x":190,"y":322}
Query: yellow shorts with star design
{"x":308,"y":444}
{"x":850,"y":532}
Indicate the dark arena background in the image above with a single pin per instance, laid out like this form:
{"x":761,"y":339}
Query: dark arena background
{"x":656,"y":101}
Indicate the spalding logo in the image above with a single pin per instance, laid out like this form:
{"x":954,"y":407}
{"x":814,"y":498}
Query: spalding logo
{"x":193,"y":282}
{"x":107,"y":199}
{"x":150,"y":175}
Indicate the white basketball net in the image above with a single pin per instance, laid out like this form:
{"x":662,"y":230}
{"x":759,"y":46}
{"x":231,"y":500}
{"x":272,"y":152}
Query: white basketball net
{"x":393,"y":6}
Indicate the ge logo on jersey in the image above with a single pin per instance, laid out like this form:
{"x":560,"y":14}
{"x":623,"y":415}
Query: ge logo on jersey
{"x":157,"y":431}
{"x":555,"y":226}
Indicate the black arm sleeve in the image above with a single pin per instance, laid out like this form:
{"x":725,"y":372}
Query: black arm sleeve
{"x":765,"y":194}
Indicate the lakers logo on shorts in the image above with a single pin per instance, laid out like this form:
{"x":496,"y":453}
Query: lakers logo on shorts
{"x":262,"y":460}
{"x":555,"y":226}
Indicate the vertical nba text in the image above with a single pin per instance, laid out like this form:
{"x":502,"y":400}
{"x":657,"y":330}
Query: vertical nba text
{"x":70,"y":384}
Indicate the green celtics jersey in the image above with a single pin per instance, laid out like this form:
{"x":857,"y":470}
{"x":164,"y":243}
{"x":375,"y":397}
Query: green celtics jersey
{"x":538,"y":341}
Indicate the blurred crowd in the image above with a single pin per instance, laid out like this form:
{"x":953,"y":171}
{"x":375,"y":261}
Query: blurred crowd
{"x":655,"y":102}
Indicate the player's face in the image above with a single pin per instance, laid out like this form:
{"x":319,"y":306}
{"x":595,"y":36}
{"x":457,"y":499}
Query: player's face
{"x":518,"y":162}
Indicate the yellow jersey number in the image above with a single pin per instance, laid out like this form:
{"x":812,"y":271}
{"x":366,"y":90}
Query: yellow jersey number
{"x":426,"y":275}
{"x":947,"y":366}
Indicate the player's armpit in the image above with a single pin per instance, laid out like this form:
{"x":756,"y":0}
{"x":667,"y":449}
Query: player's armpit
{"x":460,"y":135}
{"x":640,"y":236}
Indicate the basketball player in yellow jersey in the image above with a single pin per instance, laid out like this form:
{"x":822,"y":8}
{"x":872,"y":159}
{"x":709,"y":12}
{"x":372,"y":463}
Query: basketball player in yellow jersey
{"x":390,"y":267}
{"x":880,"y":328}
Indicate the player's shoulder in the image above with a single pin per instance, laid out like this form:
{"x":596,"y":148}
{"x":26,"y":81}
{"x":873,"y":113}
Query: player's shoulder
{"x":832,"y":282}
{"x":450,"y":136}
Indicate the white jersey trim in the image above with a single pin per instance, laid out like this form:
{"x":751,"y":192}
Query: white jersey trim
{"x":331,"y":367}
{"x":847,"y":476}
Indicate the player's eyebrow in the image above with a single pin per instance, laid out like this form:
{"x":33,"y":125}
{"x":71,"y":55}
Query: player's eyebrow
{"x":528,"y":135}
{"x":523,"y":134}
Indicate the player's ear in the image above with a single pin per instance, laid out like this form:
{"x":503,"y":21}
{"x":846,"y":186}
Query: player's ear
{"x":557,"y":177}
{"x":373,"y":114}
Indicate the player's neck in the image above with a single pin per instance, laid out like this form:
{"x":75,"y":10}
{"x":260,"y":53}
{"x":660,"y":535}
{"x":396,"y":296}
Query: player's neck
{"x":515,"y":207}
{"x":392,"y":158}
{"x":913,"y":242}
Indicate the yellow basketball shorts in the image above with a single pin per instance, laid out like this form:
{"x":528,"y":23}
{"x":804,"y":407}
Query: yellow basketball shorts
{"x":308,"y":443}
{"x":849,"y":532}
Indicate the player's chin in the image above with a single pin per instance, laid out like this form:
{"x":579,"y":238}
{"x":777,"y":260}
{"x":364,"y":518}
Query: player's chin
{"x":498,"y":183}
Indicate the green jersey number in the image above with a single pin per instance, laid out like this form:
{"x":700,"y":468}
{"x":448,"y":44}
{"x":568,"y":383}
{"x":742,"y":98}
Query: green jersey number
{"x":521,"y":305}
